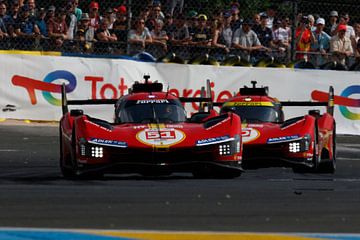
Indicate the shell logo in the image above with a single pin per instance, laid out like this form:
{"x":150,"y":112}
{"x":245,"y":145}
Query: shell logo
{"x":249,"y":134}
{"x":162,"y":137}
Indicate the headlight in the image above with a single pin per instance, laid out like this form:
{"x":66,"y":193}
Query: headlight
{"x":97,"y":152}
{"x":230,"y":148}
{"x":225,"y":149}
{"x":302,"y":145}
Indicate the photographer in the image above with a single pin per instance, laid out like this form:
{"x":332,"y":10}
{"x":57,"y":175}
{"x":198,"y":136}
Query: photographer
{"x":303,"y":38}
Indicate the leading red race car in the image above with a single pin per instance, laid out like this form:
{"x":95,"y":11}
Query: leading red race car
{"x":150,"y":135}
{"x":306,"y":143}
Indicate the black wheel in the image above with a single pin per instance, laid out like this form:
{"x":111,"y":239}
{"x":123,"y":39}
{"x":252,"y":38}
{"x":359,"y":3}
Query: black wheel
{"x":67,"y":170}
{"x":329,"y":166}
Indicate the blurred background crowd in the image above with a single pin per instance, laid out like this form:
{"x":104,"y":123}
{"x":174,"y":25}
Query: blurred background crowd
{"x":315,"y":34}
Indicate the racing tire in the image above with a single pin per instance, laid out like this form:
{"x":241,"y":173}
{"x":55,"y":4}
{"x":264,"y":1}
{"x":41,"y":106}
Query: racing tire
{"x":329,"y":166}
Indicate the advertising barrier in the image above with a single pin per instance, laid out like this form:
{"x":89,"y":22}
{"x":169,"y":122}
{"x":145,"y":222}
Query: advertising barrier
{"x":30,"y":85}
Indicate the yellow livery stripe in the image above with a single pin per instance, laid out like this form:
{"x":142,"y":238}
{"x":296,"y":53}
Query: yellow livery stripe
{"x":33,"y":53}
{"x":249,"y":104}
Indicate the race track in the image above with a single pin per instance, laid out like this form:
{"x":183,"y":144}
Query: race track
{"x":34,"y":194}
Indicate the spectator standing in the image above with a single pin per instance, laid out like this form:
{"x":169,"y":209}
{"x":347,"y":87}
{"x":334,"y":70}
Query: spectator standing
{"x":109,"y":15}
{"x":57,"y":28}
{"x":246,"y":40}
{"x":85,"y":35}
{"x":271,"y":12}
{"x":10,"y":19}
{"x":3,"y":28}
{"x":263,"y":32}
{"x":333,"y":22}
{"x":78,"y":11}
{"x":71,"y":21}
{"x":303,"y":38}
{"x":172,"y":4}
{"x":169,"y":25}
{"x":321,"y":44}
{"x":41,"y":23}
{"x":156,"y":14}
{"x":32,"y":8}
{"x":159,"y":36}
{"x":103,"y":34}
{"x":236,"y":19}
{"x":181,"y":36}
{"x":25,"y":25}
{"x":120,"y":26}
{"x":227,"y":33}
{"x":344,"y":20}
{"x":138,"y":37}
{"x":281,"y":42}
{"x":192,"y":22}
{"x":94,"y":15}
{"x":202,"y":34}
{"x":285,"y":24}
{"x":340,"y":45}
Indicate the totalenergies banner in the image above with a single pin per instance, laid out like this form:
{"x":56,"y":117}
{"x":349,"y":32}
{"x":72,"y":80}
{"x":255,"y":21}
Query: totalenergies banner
{"x":30,"y":85}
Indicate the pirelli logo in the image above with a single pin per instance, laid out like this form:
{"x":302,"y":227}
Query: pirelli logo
{"x":248,"y":104}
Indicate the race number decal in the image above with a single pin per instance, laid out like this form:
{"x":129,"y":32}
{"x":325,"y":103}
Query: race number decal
{"x":249,"y":134}
{"x":162,"y":137}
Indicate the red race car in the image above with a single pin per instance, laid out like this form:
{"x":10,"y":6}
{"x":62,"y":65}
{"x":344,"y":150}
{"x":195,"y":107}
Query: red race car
{"x":151,"y":136}
{"x":306,"y":143}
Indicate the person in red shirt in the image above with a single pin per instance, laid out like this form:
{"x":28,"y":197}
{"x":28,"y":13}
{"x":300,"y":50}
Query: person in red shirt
{"x":303,"y":38}
{"x":57,"y":28}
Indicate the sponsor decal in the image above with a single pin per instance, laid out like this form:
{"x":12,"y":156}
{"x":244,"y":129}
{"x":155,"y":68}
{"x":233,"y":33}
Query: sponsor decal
{"x":213,"y":140}
{"x":343,"y":100}
{"x":46,"y":86}
{"x":156,"y":101}
{"x":249,"y":134}
{"x":111,"y":143}
{"x":160,"y":137}
{"x":283,"y":139}
{"x":248,"y":104}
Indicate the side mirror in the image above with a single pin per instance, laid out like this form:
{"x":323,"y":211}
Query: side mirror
{"x":314,"y":113}
{"x":76,"y":112}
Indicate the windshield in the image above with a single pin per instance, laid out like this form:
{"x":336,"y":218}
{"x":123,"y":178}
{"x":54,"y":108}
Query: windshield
{"x":255,"y":114}
{"x":162,"y":111}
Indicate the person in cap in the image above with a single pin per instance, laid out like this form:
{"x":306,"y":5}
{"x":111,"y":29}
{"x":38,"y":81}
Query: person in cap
{"x":94,"y":15}
{"x":340,"y":45}
{"x":109,"y":15}
{"x":321,"y":44}
{"x":192,"y":22}
{"x":202,"y":33}
{"x":263,"y":32}
{"x":120,"y":26}
{"x":247,"y":41}
{"x":25,"y":25}
{"x":333,"y":22}
{"x":344,"y":20}
{"x":40,"y":22}
{"x":85,"y":34}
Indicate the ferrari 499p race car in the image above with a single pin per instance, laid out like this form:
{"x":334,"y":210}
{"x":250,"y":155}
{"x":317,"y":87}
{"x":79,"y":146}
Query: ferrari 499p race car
{"x":151,"y":135}
{"x":306,"y":143}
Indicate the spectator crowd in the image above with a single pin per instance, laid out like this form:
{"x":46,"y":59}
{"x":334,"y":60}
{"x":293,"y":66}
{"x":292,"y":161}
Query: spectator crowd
{"x":160,"y":29}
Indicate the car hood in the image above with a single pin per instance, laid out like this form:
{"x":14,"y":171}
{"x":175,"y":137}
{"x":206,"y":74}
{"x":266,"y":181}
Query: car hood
{"x":268,"y":133}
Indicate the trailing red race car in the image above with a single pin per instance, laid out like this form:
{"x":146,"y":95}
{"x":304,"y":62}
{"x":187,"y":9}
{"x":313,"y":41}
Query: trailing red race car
{"x":150,"y":135}
{"x":305,"y":143}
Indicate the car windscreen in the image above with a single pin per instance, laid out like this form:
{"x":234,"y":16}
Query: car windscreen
{"x":255,"y":114}
{"x":151,"y":111}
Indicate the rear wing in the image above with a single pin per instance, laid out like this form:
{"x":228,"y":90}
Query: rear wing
{"x":65,"y":103}
{"x":329,"y":104}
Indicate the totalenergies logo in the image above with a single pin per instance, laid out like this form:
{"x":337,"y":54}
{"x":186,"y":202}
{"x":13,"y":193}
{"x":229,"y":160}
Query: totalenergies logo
{"x":343,"y":100}
{"x":46,"y":86}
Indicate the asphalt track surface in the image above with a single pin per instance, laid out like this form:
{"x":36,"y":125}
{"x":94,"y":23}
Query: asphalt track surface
{"x":34,"y":194}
